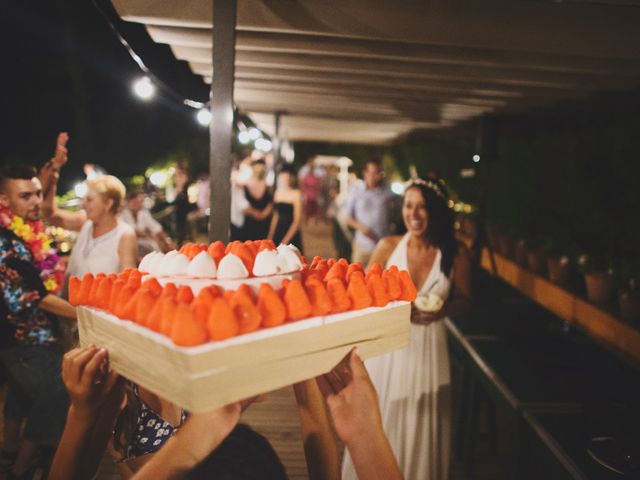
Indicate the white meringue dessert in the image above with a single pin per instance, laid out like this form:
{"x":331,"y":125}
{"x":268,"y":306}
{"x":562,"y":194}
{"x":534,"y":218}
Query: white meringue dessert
{"x":202,"y":265}
{"x":288,"y":259}
{"x":266,"y":263}
{"x":174,"y":265}
{"x":231,"y":266}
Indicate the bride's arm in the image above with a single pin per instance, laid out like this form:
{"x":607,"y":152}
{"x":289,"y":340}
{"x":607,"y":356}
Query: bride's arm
{"x":383,"y":251}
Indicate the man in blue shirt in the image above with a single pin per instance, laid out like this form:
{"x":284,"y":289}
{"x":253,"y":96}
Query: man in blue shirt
{"x":368,"y":211}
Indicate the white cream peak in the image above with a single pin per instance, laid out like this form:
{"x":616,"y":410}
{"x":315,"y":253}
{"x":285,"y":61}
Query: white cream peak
{"x":288,"y":259}
{"x":202,"y":265}
{"x":232,"y":267}
{"x":266,"y":263}
{"x":146,"y":261}
{"x":175,"y":264}
{"x":156,"y":262}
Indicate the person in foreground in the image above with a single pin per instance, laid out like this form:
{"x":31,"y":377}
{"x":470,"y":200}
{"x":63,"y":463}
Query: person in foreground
{"x":31,"y":273}
{"x":414,"y":383}
{"x":353,"y":406}
{"x":198,"y":448}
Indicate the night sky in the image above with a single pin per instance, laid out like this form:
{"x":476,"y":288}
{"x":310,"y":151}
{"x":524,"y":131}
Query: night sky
{"x":63,"y":69}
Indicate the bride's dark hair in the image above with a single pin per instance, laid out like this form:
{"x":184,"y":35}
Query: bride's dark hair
{"x":440,"y":232}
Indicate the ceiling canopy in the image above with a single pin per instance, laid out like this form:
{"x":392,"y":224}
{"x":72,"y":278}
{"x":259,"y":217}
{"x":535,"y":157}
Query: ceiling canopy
{"x":370,"y":71}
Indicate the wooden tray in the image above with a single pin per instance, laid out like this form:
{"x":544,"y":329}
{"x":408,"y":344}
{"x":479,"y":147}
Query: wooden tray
{"x":204,"y":377}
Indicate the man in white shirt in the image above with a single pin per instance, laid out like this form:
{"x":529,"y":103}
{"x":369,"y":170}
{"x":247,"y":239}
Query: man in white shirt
{"x":151,"y":236}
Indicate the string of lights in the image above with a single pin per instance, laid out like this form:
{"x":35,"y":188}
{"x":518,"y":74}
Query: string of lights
{"x":145,"y":88}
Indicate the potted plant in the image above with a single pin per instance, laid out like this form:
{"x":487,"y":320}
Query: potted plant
{"x":520,"y":252}
{"x":629,"y":293}
{"x":558,"y":262}
{"x":506,"y":245}
{"x":536,"y":259}
{"x":598,"y":277}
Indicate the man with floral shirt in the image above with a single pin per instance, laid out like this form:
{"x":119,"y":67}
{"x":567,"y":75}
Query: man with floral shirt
{"x":30,"y":275}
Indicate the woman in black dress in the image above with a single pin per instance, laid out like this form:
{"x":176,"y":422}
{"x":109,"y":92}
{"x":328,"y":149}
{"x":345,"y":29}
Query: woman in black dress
{"x":258,"y":217}
{"x":287,"y":209}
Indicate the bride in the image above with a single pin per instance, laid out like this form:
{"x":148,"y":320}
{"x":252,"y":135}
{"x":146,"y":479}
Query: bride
{"x":414,"y":384}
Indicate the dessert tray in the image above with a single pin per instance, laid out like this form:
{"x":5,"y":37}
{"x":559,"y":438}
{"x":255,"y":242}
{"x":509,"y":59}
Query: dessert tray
{"x":202,"y":342}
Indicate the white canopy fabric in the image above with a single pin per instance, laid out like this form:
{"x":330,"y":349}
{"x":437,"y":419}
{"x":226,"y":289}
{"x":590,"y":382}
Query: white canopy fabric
{"x":371,"y":71}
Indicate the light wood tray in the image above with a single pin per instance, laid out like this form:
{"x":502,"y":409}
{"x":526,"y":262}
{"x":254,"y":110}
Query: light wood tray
{"x":204,"y":377}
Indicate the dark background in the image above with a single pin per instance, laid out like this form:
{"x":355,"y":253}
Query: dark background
{"x":63,"y":69}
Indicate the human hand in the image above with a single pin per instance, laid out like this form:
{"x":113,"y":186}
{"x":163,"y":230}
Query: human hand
{"x":422,"y":317}
{"x":367,"y":232}
{"x":60,"y":155}
{"x":352,"y":399}
{"x":90,"y":383}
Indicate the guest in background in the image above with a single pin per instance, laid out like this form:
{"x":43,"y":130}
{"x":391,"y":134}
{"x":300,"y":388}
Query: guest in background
{"x":287,"y":209}
{"x":149,"y":233}
{"x":311,"y":184}
{"x":259,"y":197}
{"x":182,"y":205}
{"x":91,"y":171}
{"x":105,"y":243}
{"x":367,"y":211}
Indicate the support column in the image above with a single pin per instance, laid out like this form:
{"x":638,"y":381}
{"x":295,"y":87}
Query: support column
{"x":277,"y":143}
{"x":221,"y":128}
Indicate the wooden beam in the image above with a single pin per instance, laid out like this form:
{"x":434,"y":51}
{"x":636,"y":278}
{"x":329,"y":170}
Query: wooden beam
{"x":317,"y":45}
{"x":556,"y":28}
{"x":394,"y":68}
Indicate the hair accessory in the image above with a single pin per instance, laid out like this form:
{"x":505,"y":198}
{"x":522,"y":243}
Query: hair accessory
{"x":433,"y":185}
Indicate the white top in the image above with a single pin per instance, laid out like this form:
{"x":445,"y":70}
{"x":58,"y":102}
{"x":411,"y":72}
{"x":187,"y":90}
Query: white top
{"x":239,"y":204}
{"x":143,"y":222}
{"x":95,"y":255}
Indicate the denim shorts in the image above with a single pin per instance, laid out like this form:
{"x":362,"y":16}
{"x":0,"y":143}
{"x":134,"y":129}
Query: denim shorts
{"x":36,"y":391}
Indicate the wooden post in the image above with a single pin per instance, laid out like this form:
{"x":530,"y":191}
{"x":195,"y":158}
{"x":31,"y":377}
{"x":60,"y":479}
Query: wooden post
{"x":221,"y":128}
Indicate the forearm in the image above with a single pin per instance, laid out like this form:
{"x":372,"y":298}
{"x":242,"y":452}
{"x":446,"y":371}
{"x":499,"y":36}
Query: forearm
{"x":373,"y":458}
{"x":58,"y":306}
{"x":272,"y":227}
{"x":290,"y":233}
{"x":75,"y":456}
{"x":186,"y":449}
{"x":320,"y":448}
{"x":353,"y":223}
{"x":457,"y":306}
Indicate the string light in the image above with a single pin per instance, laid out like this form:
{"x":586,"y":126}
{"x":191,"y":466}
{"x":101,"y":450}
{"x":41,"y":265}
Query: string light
{"x":263,"y":144}
{"x":147,"y":86}
{"x":254,"y":133}
{"x":244,"y":137}
{"x":204,"y":117}
{"x":144,"y":88}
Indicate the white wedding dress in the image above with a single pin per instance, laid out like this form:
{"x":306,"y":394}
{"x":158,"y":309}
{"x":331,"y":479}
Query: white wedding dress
{"x":414,"y":389}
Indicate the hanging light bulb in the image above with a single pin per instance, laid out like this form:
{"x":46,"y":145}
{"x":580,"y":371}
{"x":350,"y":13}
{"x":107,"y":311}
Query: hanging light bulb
{"x":254,"y":133}
{"x":244,"y":137}
{"x":263,"y":144}
{"x":144,"y":88}
{"x":204,"y":116}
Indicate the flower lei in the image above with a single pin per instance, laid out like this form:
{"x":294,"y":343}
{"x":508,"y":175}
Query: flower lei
{"x":45,"y":257}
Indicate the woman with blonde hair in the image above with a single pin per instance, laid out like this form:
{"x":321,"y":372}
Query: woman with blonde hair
{"x":105,"y":243}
